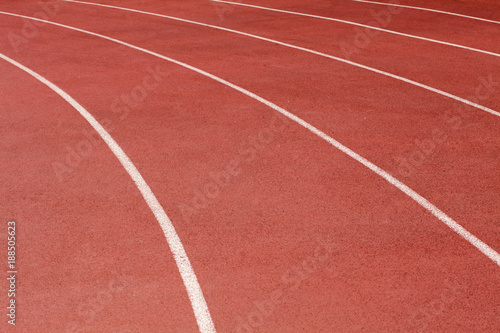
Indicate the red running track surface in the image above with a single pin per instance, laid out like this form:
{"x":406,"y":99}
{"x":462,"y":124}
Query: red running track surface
{"x":284,"y":232}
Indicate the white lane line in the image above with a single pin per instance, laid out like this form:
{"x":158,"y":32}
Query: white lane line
{"x":356,"y":24}
{"x":476,"y":242}
{"x":195,"y":294}
{"x":430,"y":10}
{"x":397,"y":77}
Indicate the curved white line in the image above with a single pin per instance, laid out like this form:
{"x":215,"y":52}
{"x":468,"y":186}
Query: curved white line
{"x":476,"y":242}
{"x":356,"y":24}
{"x":430,"y":10}
{"x":421,"y":85}
{"x":195,"y":294}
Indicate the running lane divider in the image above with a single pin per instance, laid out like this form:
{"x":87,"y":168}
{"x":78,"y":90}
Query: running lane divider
{"x":429,"y":10}
{"x":195,"y":294}
{"x":400,"y":78}
{"x":356,"y":24}
{"x":476,"y":242}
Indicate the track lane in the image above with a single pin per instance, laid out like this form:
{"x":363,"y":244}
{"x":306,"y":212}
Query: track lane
{"x":434,"y":65}
{"x":461,"y":7}
{"x":429,"y":10}
{"x":489,"y":252}
{"x":374,"y":28}
{"x":430,"y":25}
{"x":88,"y":251}
{"x":443,"y":119}
{"x":198,"y":302}
{"x":488,"y":76}
{"x":354,"y":255}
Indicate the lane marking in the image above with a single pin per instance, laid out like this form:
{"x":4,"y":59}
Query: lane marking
{"x":394,"y":76}
{"x":476,"y":242}
{"x":193,"y":288}
{"x":430,"y":10}
{"x":356,"y":24}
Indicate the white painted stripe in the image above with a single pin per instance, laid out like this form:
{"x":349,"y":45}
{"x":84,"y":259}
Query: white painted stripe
{"x":356,"y":24}
{"x":421,"y":85}
{"x":430,"y":10}
{"x":476,"y":242}
{"x":189,"y":278}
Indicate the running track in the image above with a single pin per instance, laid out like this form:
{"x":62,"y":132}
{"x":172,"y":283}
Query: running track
{"x":169,"y":176}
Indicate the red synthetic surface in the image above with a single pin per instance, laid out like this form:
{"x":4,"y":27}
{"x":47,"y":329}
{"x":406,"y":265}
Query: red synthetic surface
{"x":300,"y":238}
